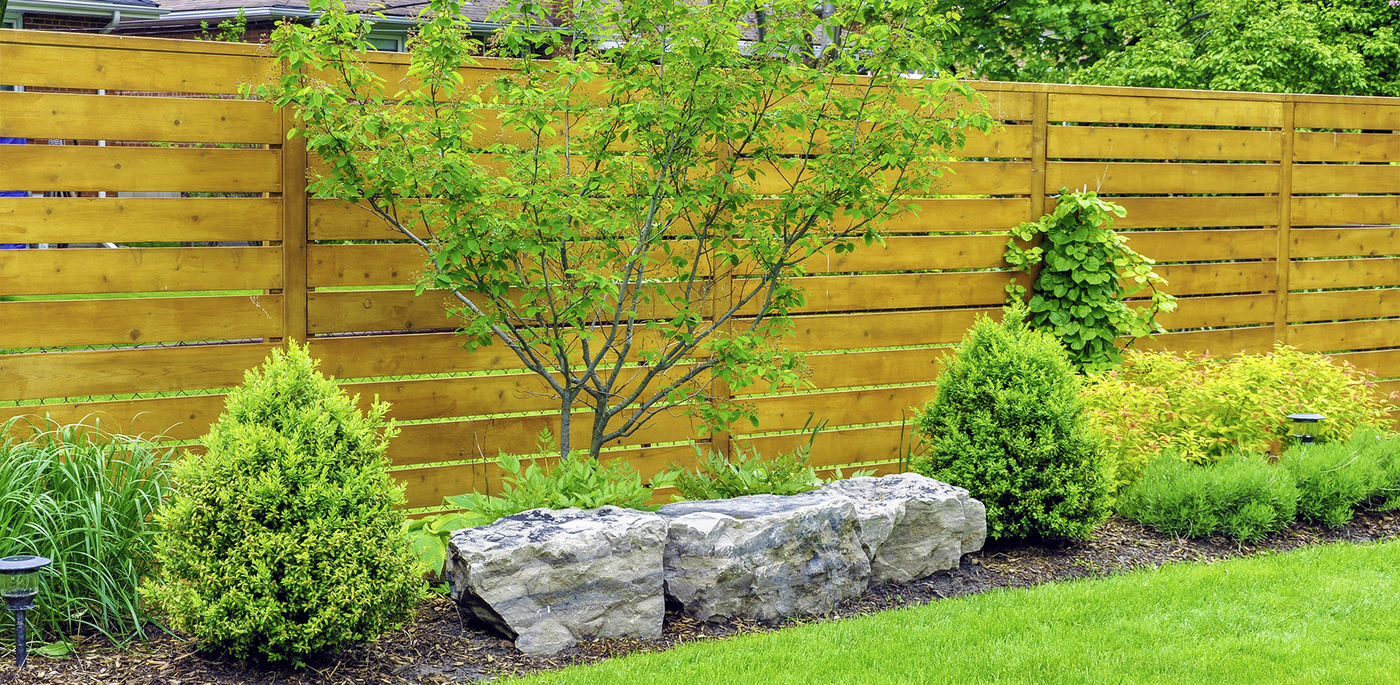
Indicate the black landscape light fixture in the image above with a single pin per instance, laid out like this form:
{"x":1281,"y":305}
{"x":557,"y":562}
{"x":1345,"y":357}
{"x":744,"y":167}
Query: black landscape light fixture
{"x":1305,"y":438}
{"x":19,"y":585}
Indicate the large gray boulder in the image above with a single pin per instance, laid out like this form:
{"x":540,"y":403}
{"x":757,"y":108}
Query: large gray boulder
{"x":547,"y":579}
{"x":763,"y":557}
{"x":912,"y":526}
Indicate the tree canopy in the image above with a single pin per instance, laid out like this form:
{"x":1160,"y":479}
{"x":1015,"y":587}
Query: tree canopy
{"x":1346,"y":47}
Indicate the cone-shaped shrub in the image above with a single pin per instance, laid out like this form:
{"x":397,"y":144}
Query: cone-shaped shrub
{"x":282,"y":541}
{"x":1008,"y":424}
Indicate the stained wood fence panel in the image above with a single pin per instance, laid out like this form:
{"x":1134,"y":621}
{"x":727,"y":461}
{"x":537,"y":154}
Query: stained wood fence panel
{"x":1267,"y":234}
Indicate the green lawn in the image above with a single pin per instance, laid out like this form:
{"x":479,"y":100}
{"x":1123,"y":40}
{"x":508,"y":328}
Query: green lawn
{"x":1320,"y":615}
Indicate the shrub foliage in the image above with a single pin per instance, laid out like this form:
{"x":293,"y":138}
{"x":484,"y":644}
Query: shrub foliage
{"x":282,"y":540}
{"x":1203,"y":409}
{"x":1242,"y":496}
{"x":1335,"y":479}
{"x":1009,"y":425}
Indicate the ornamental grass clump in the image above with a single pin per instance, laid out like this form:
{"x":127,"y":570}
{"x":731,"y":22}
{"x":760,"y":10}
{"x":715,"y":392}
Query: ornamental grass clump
{"x":1242,"y":496}
{"x":82,"y":497}
{"x":1008,"y":424}
{"x":282,"y":540}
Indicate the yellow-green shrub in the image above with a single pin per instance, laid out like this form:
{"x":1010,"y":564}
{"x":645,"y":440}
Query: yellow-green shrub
{"x":1204,"y":408}
{"x":282,"y":540}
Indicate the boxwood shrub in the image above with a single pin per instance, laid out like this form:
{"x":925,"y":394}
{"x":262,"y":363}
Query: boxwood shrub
{"x":1009,"y":425}
{"x":282,"y":541}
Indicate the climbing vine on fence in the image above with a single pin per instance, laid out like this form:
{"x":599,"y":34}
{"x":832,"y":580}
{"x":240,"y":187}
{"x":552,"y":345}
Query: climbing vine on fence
{"x":1088,"y":273}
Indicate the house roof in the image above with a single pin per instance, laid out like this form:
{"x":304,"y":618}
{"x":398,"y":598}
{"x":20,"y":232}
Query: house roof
{"x":476,"y":11}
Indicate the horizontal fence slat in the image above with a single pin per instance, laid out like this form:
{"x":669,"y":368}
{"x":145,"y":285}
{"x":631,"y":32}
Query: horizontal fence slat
{"x":1383,"y":363}
{"x":1208,"y":312}
{"x":1335,"y":211}
{"x":1134,"y":178}
{"x":139,"y":220}
{"x":1164,"y":110}
{"x":1209,"y":279}
{"x":139,"y":169}
{"x":336,"y":220}
{"x":428,"y":443}
{"x":896,"y":291}
{"x":1007,"y":141}
{"x":1112,"y":142}
{"x":916,"y":253}
{"x":85,"y":270}
{"x":363,"y":265}
{"x":1367,"y":116}
{"x":62,"y":323}
{"x":373,"y":356}
{"x":1344,"y":335}
{"x":853,"y":369}
{"x":1345,"y":178}
{"x":1192,"y":212}
{"x":1343,"y":304}
{"x":844,"y":407}
{"x":109,"y":372}
{"x":1344,"y":242}
{"x":360,"y":311}
{"x":1204,"y":245}
{"x":170,"y":418}
{"x":883,"y":329}
{"x":126,"y":118}
{"x":115,"y":69}
{"x":1345,"y":147}
{"x":1344,"y":273}
{"x":1223,"y":342}
{"x":873,"y":444}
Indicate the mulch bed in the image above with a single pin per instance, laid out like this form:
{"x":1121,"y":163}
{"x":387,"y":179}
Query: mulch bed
{"x":439,"y":647}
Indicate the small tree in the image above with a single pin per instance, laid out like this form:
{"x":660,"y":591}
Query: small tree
{"x":626,"y":203}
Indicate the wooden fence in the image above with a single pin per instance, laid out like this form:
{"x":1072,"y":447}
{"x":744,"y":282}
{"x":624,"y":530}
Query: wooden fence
{"x":1276,"y":219}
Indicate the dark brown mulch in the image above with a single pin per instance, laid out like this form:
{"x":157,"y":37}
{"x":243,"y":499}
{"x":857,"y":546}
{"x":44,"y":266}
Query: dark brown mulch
{"x":439,"y":647}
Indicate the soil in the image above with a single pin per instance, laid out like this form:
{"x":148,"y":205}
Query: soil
{"x":439,"y":647}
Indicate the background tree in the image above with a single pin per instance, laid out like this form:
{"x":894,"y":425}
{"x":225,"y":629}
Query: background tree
{"x":628,"y":215}
{"x":1300,"y":46}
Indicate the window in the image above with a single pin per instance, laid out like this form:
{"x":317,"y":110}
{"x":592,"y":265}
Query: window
{"x":384,"y":43}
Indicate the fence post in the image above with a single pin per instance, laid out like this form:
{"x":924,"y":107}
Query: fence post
{"x":1039,"y":144}
{"x":293,"y":232}
{"x":1283,"y":266}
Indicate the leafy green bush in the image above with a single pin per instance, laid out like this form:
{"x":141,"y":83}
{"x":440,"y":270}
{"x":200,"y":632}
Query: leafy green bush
{"x":82,"y":497}
{"x":1242,"y":496}
{"x":1335,"y":479}
{"x":748,"y":473}
{"x":1009,"y":425}
{"x":282,"y":540}
{"x":1203,"y":409}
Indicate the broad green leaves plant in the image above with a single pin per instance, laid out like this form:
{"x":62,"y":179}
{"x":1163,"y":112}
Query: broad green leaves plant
{"x":624,"y":202}
{"x":1086,"y":271}
{"x":540,"y":481}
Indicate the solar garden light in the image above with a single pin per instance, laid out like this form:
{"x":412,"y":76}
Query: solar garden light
{"x":19,"y":584}
{"x":1305,"y":419}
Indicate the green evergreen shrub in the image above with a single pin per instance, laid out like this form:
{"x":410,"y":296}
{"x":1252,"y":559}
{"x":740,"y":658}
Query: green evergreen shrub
{"x":1008,"y":424}
{"x":1335,"y":479}
{"x":282,"y":541}
{"x":1388,"y":456}
{"x":1242,"y":496}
